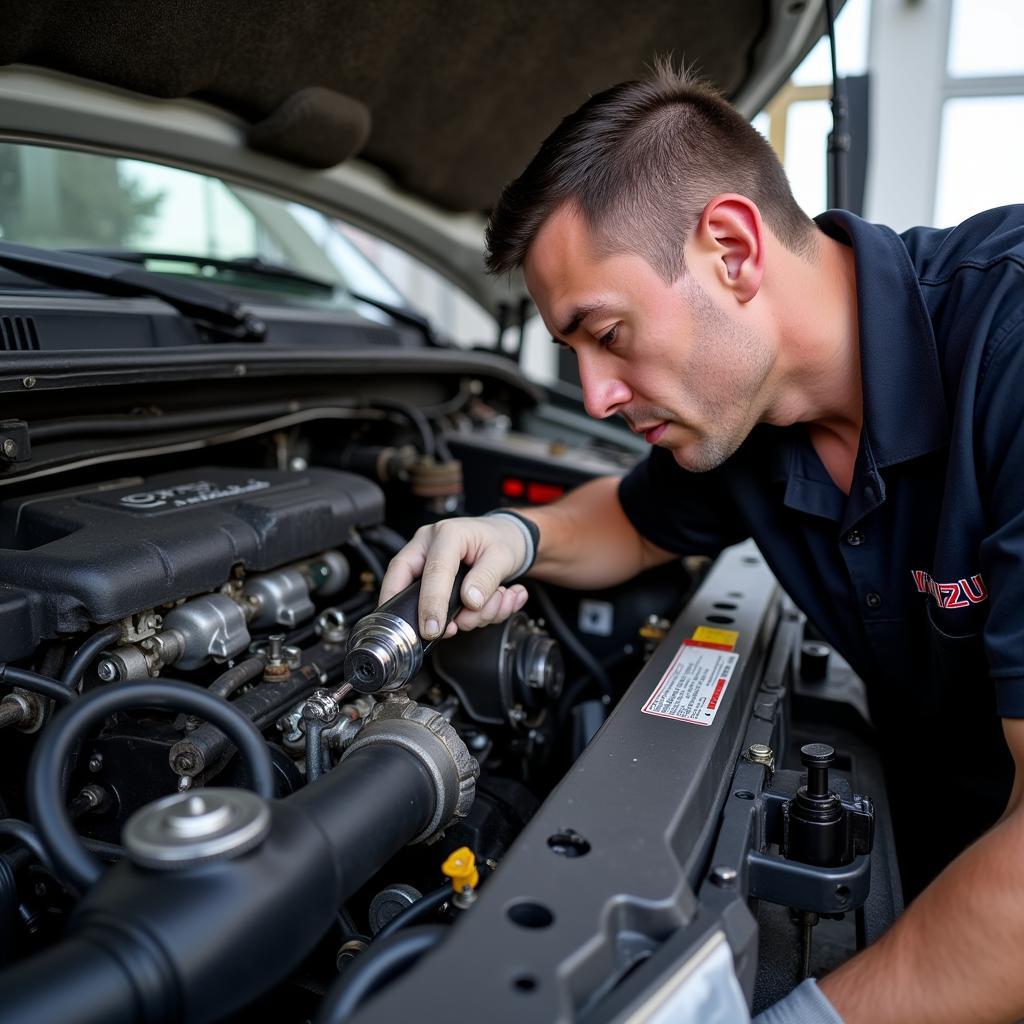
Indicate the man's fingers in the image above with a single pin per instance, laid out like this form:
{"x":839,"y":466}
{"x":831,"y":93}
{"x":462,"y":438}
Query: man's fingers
{"x":405,"y":567}
{"x":482,"y":581}
{"x":442,"y":564}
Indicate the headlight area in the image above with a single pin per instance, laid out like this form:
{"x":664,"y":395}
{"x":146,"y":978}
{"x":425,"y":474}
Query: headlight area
{"x":543,"y":820}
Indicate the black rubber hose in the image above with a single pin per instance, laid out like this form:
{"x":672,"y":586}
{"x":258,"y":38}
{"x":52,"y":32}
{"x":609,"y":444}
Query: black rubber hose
{"x":8,"y":908}
{"x":367,"y":554}
{"x":314,"y":747}
{"x":416,"y":912}
{"x":72,"y":863}
{"x":390,"y":540}
{"x":411,"y":413}
{"x":25,"y":834}
{"x":17,"y":858}
{"x":375,"y":968}
{"x":86,"y":654}
{"x":244,"y":672}
{"x":43,"y":685}
{"x":569,"y":639}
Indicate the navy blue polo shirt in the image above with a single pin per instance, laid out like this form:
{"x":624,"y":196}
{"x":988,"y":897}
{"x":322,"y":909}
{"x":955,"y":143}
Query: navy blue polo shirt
{"x":916,"y":577}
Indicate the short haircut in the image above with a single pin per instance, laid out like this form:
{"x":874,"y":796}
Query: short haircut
{"x":639,"y":162}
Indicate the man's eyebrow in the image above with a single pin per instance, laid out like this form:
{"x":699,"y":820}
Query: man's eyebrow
{"x":579,"y":314}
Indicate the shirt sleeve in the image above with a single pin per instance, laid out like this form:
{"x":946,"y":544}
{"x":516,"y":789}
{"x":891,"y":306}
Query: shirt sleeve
{"x":686,"y":513}
{"x":999,"y":443}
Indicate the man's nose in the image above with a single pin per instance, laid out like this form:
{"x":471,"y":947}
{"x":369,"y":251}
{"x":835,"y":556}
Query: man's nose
{"x":603,"y":392}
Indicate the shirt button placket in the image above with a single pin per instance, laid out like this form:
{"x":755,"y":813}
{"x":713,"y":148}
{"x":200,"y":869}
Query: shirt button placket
{"x":873,"y":600}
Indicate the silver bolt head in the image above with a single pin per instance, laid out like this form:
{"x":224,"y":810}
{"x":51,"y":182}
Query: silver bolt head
{"x":723,"y":875}
{"x":96,"y":763}
{"x":10,"y":447}
{"x":107,"y":671}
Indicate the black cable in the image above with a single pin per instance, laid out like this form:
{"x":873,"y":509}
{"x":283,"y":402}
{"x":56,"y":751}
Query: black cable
{"x":42,"y":685}
{"x":72,"y":862}
{"x":18,"y":857}
{"x":375,"y":968}
{"x":383,"y":536}
{"x":838,"y":138}
{"x":133,"y":425}
{"x":569,"y":639}
{"x":86,"y":654}
{"x":367,"y":554}
{"x":416,"y":912}
{"x":411,"y":413}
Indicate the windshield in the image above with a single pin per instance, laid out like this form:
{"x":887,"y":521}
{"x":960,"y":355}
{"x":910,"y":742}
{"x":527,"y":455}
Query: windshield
{"x":62,"y":199}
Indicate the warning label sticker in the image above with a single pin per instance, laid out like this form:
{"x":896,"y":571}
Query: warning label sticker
{"x":723,"y":639}
{"x":694,"y":685}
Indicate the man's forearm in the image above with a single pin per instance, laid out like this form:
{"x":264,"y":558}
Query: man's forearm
{"x":587,"y":541}
{"x":955,"y":954}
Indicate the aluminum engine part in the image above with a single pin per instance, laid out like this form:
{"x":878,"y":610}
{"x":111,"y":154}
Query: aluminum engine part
{"x":102,"y":553}
{"x":328,"y":572}
{"x":279,"y":599}
{"x":385,"y":652}
{"x":210,"y":627}
{"x":425,"y":733}
{"x":182,"y":830}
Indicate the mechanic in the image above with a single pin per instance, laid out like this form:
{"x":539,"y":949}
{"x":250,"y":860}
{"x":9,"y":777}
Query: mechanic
{"x":851,"y":399}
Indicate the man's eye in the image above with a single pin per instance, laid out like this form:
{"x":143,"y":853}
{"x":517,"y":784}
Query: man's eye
{"x":609,"y":338}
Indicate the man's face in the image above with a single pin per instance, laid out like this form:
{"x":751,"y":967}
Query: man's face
{"x":681,"y":371}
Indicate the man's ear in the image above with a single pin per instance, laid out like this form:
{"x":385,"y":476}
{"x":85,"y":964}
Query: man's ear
{"x":732,"y":233}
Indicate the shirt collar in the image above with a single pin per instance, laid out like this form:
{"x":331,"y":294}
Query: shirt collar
{"x":904,"y":400}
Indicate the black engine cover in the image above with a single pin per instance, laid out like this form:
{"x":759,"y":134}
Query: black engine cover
{"x":72,"y":558}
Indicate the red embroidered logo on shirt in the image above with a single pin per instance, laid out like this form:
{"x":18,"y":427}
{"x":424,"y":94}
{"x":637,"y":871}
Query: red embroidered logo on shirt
{"x":961,"y":594}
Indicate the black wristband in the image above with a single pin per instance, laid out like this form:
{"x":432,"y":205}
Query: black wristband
{"x":531,"y":536}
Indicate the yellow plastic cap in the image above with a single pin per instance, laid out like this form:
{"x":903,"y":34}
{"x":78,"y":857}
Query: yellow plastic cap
{"x":460,"y":867}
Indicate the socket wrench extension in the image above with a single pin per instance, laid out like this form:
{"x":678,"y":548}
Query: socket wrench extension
{"x":385,"y":649}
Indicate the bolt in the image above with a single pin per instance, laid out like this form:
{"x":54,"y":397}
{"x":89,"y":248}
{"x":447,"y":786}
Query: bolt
{"x":274,"y":651}
{"x":96,"y":763}
{"x":723,"y":876}
{"x":108,"y":671}
{"x":28,"y":382}
{"x":761,"y":753}
{"x":298,"y":464}
{"x":185,"y":763}
{"x":10,"y":447}
{"x":348,"y":952}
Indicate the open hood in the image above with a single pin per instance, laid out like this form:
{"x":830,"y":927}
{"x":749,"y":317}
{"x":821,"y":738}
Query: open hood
{"x":443,"y":102}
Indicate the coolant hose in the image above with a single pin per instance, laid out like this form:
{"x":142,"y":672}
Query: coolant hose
{"x":86,"y":655}
{"x":44,"y":686}
{"x":73,"y":864}
{"x":375,"y":968}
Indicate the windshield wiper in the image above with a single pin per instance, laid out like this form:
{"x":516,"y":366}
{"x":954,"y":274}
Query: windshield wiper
{"x":239,"y":264}
{"x":218,"y":317}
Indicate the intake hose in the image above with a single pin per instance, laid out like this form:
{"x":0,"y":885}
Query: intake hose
{"x":202,"y":941}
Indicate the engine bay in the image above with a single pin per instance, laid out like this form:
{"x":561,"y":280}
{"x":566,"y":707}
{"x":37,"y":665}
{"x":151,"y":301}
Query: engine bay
{"x":205,"y":817}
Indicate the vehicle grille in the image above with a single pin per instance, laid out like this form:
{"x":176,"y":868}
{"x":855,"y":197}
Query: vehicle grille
{"x":18,"y":334}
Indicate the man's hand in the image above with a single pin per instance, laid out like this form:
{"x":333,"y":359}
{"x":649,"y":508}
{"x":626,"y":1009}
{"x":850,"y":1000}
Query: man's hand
{"x":493,"y":545}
